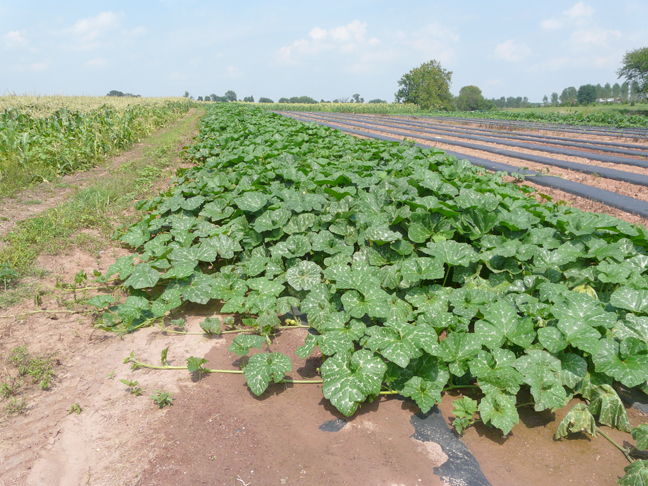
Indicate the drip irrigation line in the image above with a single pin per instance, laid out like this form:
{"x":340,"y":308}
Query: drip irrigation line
{"x":617,"y":132}
{"x":609,"y":198}
{"x":613,"y":147}
{"x":553,"y":150}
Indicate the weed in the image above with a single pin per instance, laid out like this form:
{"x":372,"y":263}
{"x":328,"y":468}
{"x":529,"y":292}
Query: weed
{"x":75,"y":408}
{"x":9,"y":388}
{"x":16,"y":406}
{"x":38,"y":368}
{"x":7,"y":273}
{"x":162,"y":398}
{"x":133,"y":387}
{"x":111,"y":375}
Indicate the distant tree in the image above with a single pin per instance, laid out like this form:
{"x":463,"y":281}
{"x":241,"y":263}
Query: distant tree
{"x":545,"y":100}
{"x":568,"y":96}
{"x":586,"y":94}
{"x":230,"y":95}
{"x":616,"y":90}
{"x":524,"y":102}
{"x":213,"y":97}
{"x":625,"y":89}
{"x":427,"y":86}
{"x":377,"y":100}
{"x":186,"y":95}
{"x":607,"y":90}
{"x":357,"y":99}
{"x":284,"y":100}
{"x":599,"y":91}
{"x":302,"y":99}
{"x":634,"y":68}
{"x":265,"y":100}
{"x":335,"y":101}
{"x":554,"y":99}
{"x":114,"y":92}
{"x":207,"y":98}
{"x":344,"y":99}
{"x":249,"y":99}
{"x":199,"y":98}
{"x":471,"y":99}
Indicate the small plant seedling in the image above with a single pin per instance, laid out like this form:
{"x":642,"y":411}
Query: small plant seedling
{"x":39,"y":368}
{"x":16,"y":406}
{"x":111,"y":375}
{"x":8,"y":389}
{"x":7,"y":274}
{"x":162,"y":398}
{"x":133,"y":387}
{"x":75,"y":408}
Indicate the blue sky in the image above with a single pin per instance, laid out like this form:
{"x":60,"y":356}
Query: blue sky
{"x":324,"y":49}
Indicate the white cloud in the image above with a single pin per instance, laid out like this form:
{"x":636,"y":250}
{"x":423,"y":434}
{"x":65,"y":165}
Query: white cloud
{"x":97,"y":63}
{"x":577,"y":14}
{"x":511,"y":51}
{"x":91,"y":28}
{"x":14,"y":40}
{"x":595,"y":36}
{"x":39,"y":66}
{"x":579,"y":10}
{"x":234,"y":72}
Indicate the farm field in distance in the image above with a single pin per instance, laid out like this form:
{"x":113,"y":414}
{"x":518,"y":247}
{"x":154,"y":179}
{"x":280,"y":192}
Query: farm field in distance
{"x":271,"y":281}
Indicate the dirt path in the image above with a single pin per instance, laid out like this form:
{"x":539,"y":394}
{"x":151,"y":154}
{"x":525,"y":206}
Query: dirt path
{"x":35,"y":200}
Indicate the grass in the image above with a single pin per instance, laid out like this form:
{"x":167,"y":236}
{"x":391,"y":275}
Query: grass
{"x":617,"y":109}
{"x":89,"y":218}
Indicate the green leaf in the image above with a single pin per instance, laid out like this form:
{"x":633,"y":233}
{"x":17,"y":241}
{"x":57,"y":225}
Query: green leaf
{"x":498,"y":410}
{"x":394,"y":341}
{"x":211,"y":325}
{"x":610,"y":410}
{"x":373,"y":303}
{"x":163,"y":355}
{"x":144,"y":276}
{"x":417,"y":269}
{"x":574,"y":369}
{"x":584,"y":309}
{"x":630,"y":299}
{"x":463,"y":409}
{"x":578,"y":419}
{"x":580,"y":335}
{"x":626,"y":362}
{"x":451,"y":252}
{"x":243,"y":342}
{"x":640,"y":434}
{"x":501,"y":323}
{"x":304,"y":276}
{"x":251,"y":201}
{"x":101,"y":300}
{"x":636,"y":474}
{"x":543,"y":373}
{"x":195,"y":364}
{"x":263,"y":367}
{"x":349,"y":380}
{"x":457,"y":349}
{"x":424,"y":393}
{"x":381,"y":234}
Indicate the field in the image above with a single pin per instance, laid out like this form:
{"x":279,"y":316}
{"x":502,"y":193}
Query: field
{"x":321,"y":308}
{"x":578,"y":116}
{"x":42,"y":138}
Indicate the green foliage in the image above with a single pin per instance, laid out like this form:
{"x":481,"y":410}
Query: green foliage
{"x":471,"y":99}
{"x":133,"y":387}
{"x":39,"y":368}
{"x":7,"y":274}
{"x":162,"y":398}
{"x":427,"y":86}
{"x":75,"y":408}
{"x":635,"y":68}
{"x":579,"y":419}
{"x":386,"y":247}
{"x":586,"y":94}
{"x":464,"y":410}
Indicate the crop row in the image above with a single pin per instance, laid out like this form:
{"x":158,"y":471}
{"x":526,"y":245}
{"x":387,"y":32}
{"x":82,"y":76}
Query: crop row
{"x":418,"y":272}
{"x":41,"y":148}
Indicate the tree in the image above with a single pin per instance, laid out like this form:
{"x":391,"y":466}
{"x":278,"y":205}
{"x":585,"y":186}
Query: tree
{"x":230,"y":95}
{"x":249,"y":99}
{"x":635,"y":68}
{"x":616,"y":90}
{"x":545,"y":100}
{"x":186,"y":95}
{"x":284,"y":100}
{"x":470,"y":99}
{"x":265,"y":100}
{"x":377,"y":100}
{"x":357,"y":99}
{"x":568,"y":96}
{"x":625,"y":88}
{"x":554,"y":99}
{"x":607,"y":90}
{"x":199,"y":98}
{"x":586,"y":94}
{"x":427,"y":86}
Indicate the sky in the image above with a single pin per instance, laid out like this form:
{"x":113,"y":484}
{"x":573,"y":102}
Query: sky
{"x":323,"y":49}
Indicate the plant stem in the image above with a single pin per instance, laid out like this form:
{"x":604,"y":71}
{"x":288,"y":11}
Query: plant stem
{"x":235,"y":331}
{"x":456,"y":387}
{"x":390,"y":392}
{"x":625,"y":453}
{"x":446,"y":275}
{"x":525,"y":404}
